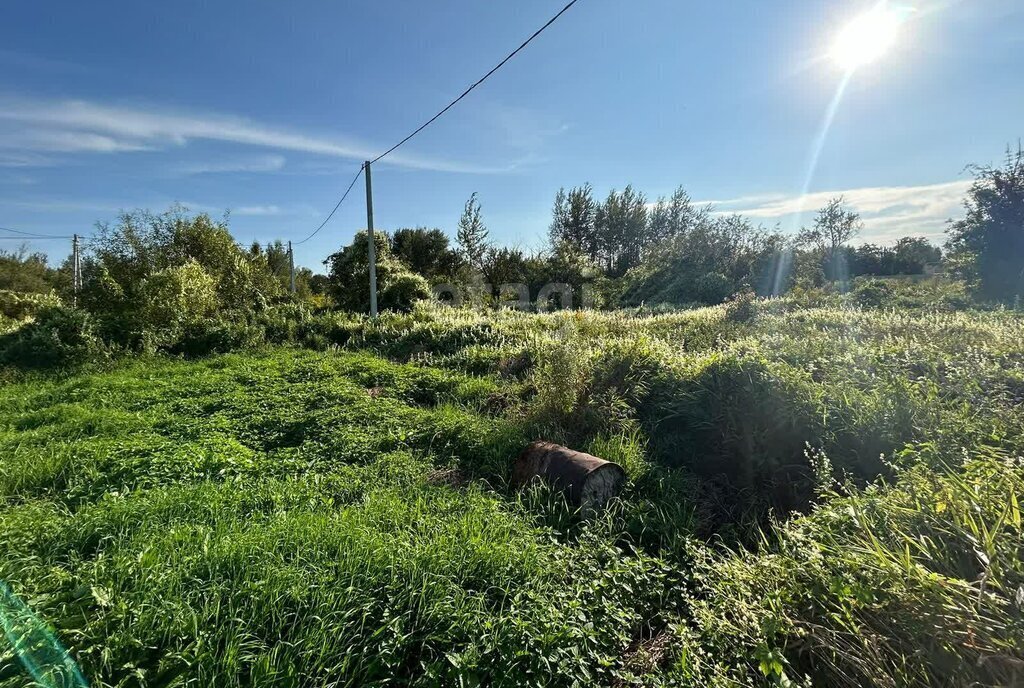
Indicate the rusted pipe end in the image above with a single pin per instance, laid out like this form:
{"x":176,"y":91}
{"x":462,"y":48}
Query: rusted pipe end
{"x":586,"y":480}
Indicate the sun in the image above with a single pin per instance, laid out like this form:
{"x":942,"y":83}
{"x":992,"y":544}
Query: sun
{"x":868,"y":37}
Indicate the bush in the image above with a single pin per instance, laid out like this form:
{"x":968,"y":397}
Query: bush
{"x":177,"y":298}
{"x":58,"y":338}
{"x":20,"y":305}
{"x":216,"y":335}
{"x":913,"y":584}
{"x":873,"y":293}
{"x":402,"y":291}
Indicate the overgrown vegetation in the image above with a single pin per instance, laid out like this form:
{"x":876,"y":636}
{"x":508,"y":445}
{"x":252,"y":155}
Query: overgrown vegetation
{"x":343,"y":517}
{"x":824,"y":486}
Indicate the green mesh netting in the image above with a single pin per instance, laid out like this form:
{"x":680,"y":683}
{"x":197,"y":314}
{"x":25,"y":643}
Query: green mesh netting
{"x":35,"y":645}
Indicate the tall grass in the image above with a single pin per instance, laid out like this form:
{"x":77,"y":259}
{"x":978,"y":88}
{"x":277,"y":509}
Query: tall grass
{"x":824,"y":496}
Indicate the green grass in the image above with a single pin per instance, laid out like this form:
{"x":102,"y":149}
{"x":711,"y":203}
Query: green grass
{"x":342,"y":517}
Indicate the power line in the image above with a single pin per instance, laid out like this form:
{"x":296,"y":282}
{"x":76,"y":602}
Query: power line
{"x":338,"y":205}
{"x":31,"y":235}
{"x":477,"y":83}
{"x":446,"y":108}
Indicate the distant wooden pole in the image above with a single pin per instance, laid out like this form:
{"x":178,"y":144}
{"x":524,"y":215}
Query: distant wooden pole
{"x":369,"y":237}
{"x":76,"y":267}
{"x":291,"y":268}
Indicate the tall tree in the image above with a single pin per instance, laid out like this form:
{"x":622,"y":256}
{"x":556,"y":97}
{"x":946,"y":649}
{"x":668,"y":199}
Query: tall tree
{"x":573,"y":220}
{"x":426,"y":251}
{"x":472,"y":234}
{"x":987,"y":246}
{"x":26,"y":272}
{"x":834,"y":227}
{"x":621,"y":228}
{"x":671,"y":217}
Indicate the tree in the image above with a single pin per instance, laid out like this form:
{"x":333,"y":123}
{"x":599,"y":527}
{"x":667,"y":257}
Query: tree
{"x":986,"y":247}
{"x":472,"y":234}
{"x":426,"y":252}
{"x":911,"y":255}
{"x":717,"y":257}
{"x":833,"y":228}
{"x":621,"y":227}
{"x":143,"y":243}
{"x":26,"y":272}
{"x":573,"y":220}
{"x":349,"y":277}
{"x":672,"y":217}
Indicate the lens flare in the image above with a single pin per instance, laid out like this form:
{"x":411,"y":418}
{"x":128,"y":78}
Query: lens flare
{"x":868,"y":37}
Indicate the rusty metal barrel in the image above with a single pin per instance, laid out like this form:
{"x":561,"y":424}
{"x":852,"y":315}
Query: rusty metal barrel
{"x":586,"y":480}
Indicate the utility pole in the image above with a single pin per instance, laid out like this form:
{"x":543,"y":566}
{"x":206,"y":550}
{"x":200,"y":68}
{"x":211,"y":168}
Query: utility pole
{"x":76,"y":271}
{"x":369,"y":238}
{"x":291,"y":268}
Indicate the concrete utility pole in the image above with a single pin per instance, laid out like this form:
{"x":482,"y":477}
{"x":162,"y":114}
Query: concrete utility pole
{"x":369,"y":238}
{"x":291,"y":268}
{"x":76,"y":271}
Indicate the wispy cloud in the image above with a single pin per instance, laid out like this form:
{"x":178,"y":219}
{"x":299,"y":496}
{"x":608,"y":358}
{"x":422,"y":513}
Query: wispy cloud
{"x":111,"y":209}
{"x":68,"y":141}
{"x":77,"y":126}
{"x":263,"y":163}
{"x":888,"y":212}
{"x":24,"y":159}
{"x":258,"y":210}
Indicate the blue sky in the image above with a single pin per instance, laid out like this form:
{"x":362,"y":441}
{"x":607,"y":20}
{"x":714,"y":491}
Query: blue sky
{"x":266,"y":109}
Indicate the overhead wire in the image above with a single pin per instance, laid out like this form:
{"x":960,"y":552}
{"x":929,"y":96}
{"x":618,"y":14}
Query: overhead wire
{"x":31,"y":235}
{"x":445,"y":109}
{"x":479,"y":81}
{"x":336,"y":206}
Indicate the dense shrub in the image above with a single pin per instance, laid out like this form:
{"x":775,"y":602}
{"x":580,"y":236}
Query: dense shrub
{"x":216,"y":335}
{"x":706,"y":264}
{"x":349,"y":277}
{"x":21,"y":305}
{"x":914,"y":583}
{"x":58,"y":338}
{"x":402,"y":290}
{"x":176,"y":298}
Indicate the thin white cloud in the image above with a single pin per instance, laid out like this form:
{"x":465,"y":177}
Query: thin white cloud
{"x":27,"y":159}
{"x":58,"y":141}
{"x":258,"y":210}
{"x":265,"y":163}
{"x":888,"y":212}
{"x":111,"y":128}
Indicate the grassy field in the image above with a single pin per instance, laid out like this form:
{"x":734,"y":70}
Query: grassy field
{"x":824,"y":496}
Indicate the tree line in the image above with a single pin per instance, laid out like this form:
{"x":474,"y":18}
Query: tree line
{"x":628,"y":249}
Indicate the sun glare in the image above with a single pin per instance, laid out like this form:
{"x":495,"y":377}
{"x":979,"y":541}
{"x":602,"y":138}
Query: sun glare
{"x":867,"y":38}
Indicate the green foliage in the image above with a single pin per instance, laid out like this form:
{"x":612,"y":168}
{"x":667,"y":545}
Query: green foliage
{"x":820,"y":493}
{"x":21,"y":271}
{"x":177,"y":297}
{"x":427,"y":253}
{"x":931,"y":294}
{"x":987,"y":246}
{"x":123,"y":257}
{"x":199,"y":529}
{"x":913,"y":583}
{"x":21,"y":305}
{"x":472,"y":235}
{"x":58,"y":338}
{"x":349,"y":276}
{"x":705,"y":265}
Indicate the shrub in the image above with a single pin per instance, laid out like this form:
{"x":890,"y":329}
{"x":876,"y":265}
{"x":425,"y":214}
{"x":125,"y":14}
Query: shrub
{"x":216,"y":335}
{"x":873,"y":293}
{"x":20,"y":305}
{"x":58,"y":338}
{"x":177,"y":297}
{"x":403,"y":290}
{"x":915,"y":583}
